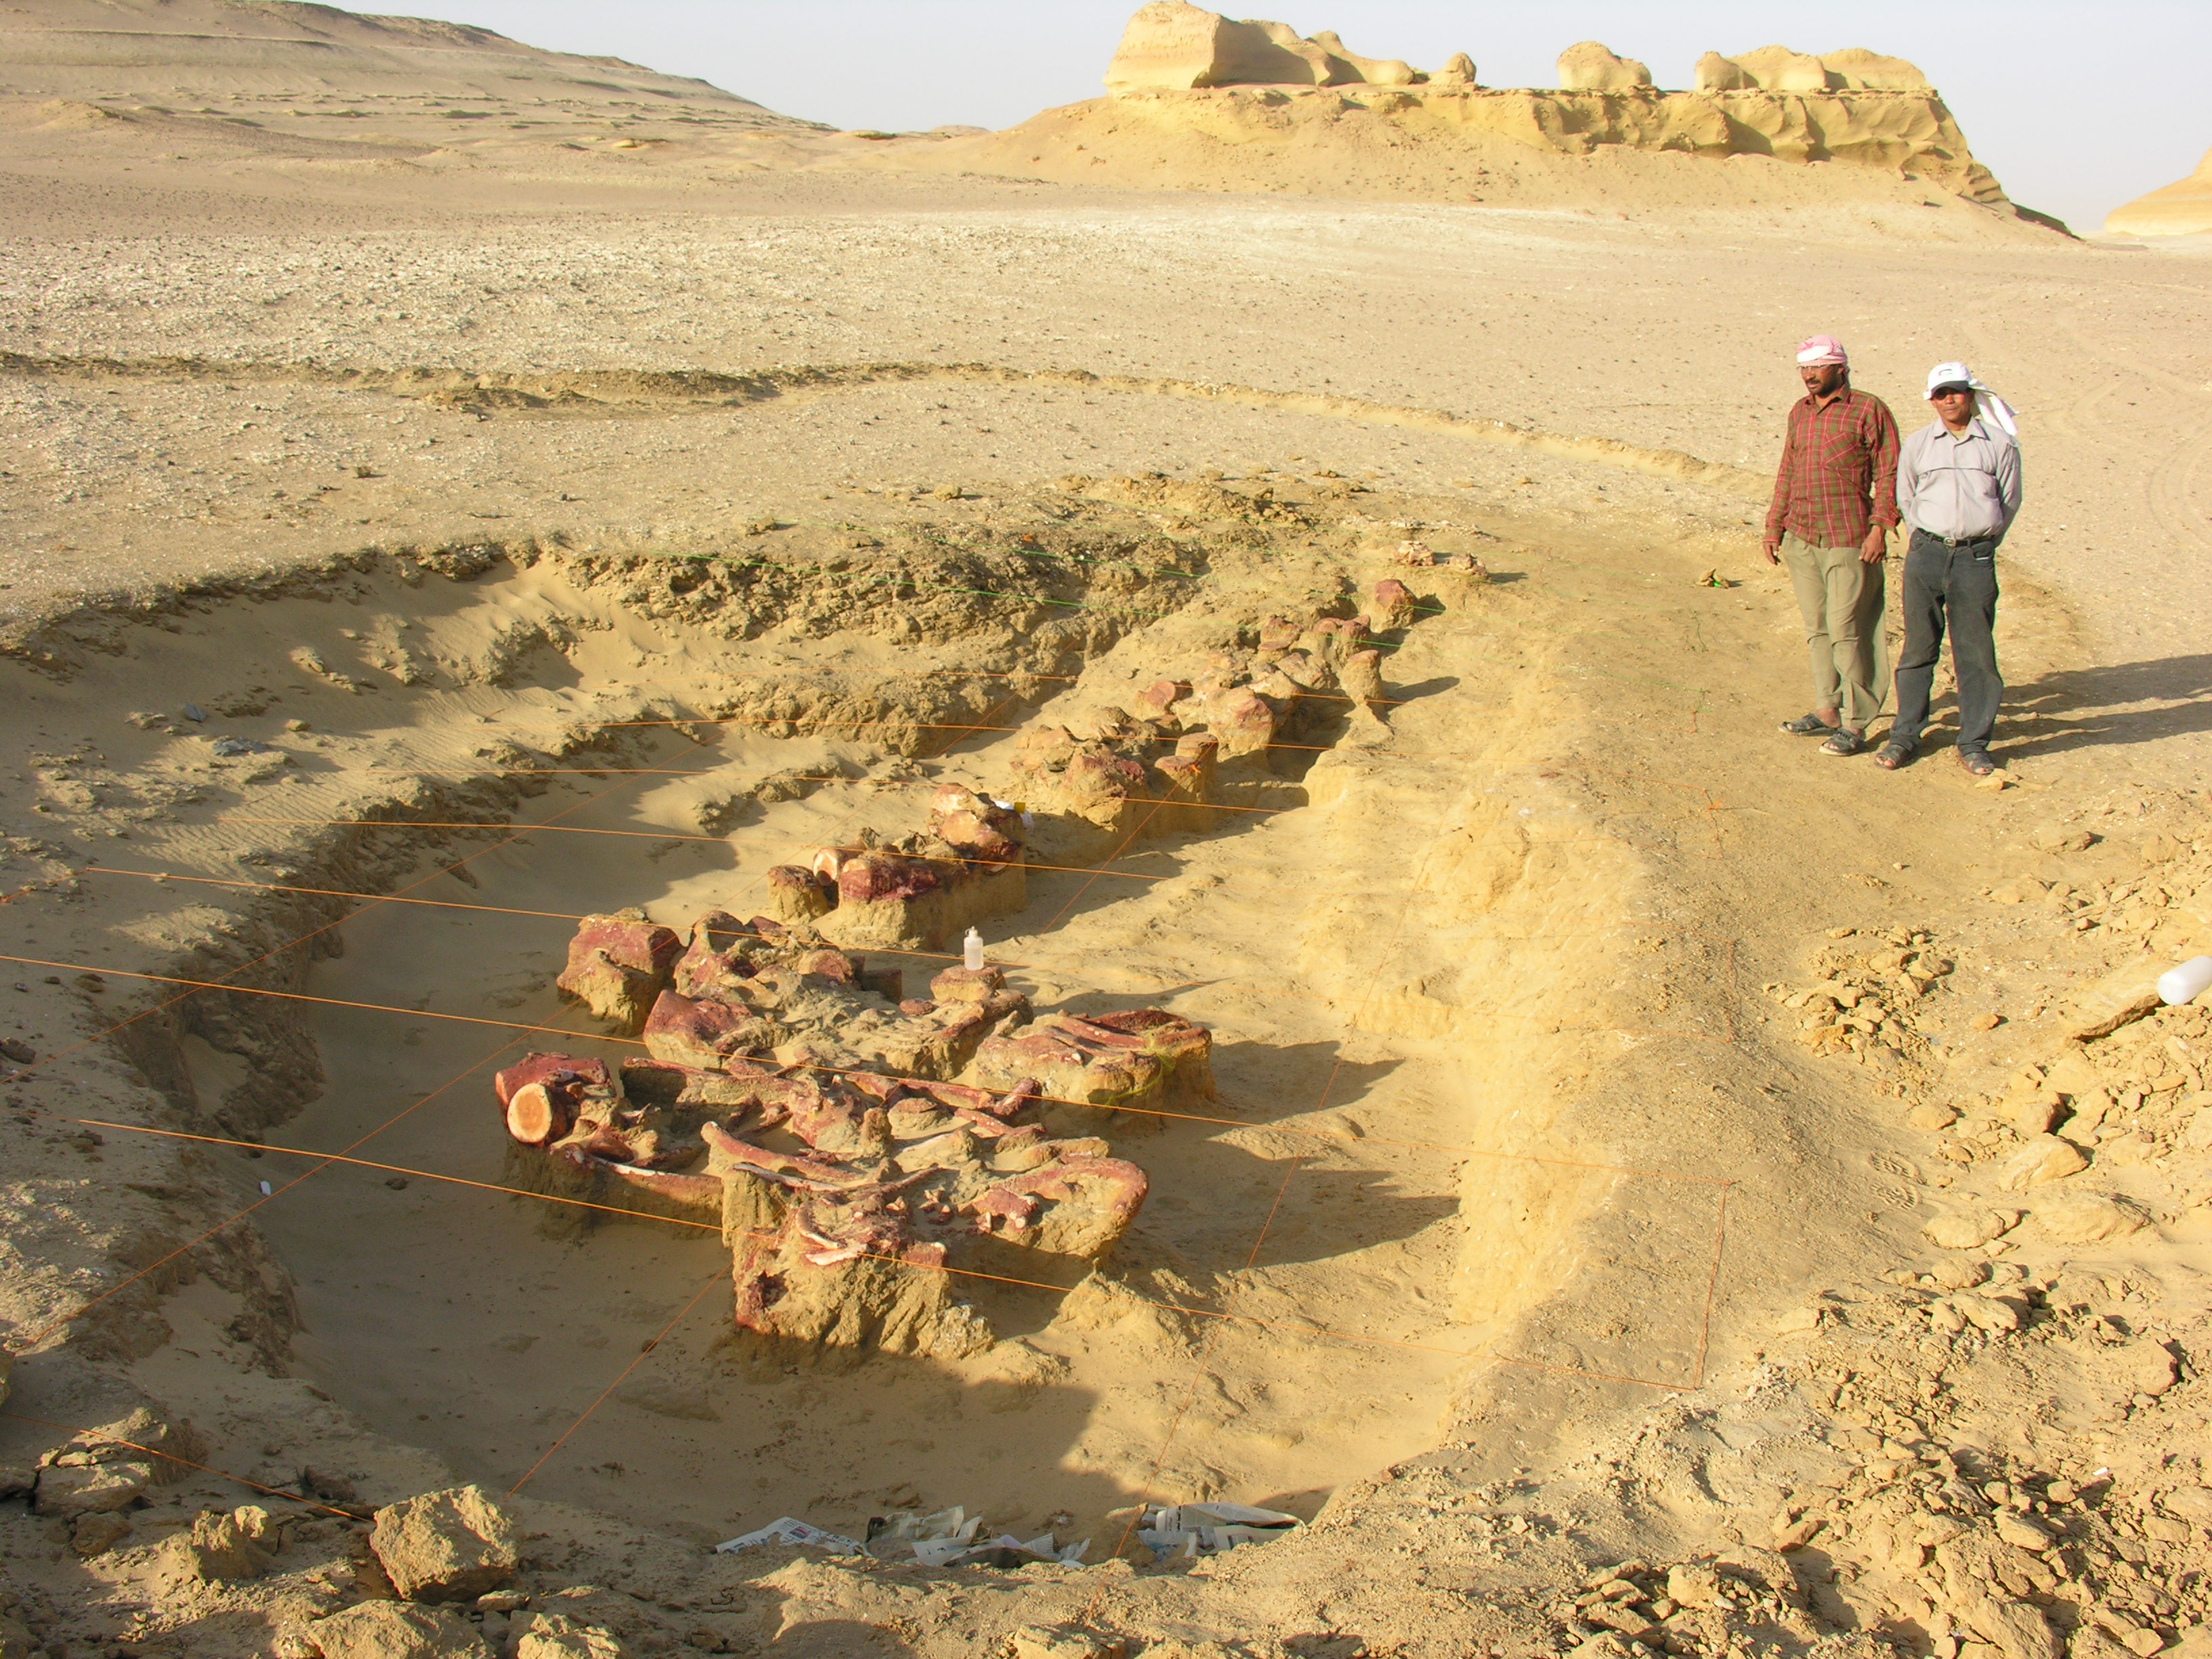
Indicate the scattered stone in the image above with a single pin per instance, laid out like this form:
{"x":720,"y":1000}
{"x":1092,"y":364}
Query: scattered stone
{"x":1694,"y":1586}
{"x":18,"y":1050}
{"x":2036,"y":1117}
{"x":389,"y":1630}
{"x":1986,"y":1022}
{"x":2063,"y":839}
{"x":2125,"y":995}
{"x":2088,"y":1217}
{"x":1065,"y":1642}
{"x":215,"y":1551}
{"x":2151,"y":1369}
{"x":2162,"y":848}
{"x":1930,"y":1118}
{"x":2016,"y":1628}
{"x":2041,"y":1161}
{"x":2190,"y":1502}
{"x":558,"y":1636}
{"x":2024,"y":1531}
{"x":97,"y":1533}
{"x":1958,"y":1230}
{"x":72,"y":1489}
{"x":444,"y":1546}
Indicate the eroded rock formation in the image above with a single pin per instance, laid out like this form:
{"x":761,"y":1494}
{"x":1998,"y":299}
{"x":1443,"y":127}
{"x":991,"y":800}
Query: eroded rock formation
{"x":1777,"y":68}
{"x":1588,"y":66}
{"x":1172,"y":45}
{"x":2182,"y":208}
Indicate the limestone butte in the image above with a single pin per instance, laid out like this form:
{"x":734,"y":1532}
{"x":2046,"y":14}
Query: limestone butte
{"x":1200,"y":101}
{"x":2181,"y":209}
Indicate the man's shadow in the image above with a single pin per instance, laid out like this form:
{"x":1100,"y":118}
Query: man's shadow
{"x":2103,"y":706}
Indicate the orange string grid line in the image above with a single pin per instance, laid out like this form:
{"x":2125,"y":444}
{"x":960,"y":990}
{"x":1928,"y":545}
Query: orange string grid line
{"x":313,"y":932}
{"x":23,"y":1343}
{"x":1165,"y":1306}
{"x":730,"y":841}
{"x":712,"y":1280}
{"x":154,"y":1451}
{"x":846,"y":1070}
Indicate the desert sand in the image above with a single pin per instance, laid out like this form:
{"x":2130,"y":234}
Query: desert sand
{"x":1663,"y":1189}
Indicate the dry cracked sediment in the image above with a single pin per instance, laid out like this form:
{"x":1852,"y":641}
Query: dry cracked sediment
{"x":1520,"y":1187}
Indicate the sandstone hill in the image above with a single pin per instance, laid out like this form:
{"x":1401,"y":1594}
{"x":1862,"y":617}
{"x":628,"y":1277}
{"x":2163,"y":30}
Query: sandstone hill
{"x":202,"y":49}
{"x":2181,"y":209}
{"x":107,"y":107}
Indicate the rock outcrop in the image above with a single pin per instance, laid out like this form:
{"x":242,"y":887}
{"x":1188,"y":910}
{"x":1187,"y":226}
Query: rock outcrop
{"x":2181,"y":209}
{"x":1588,"y":66}
{"x":1172,"y":45}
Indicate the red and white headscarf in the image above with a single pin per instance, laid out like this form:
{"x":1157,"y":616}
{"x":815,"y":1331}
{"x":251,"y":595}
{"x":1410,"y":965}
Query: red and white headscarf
{"x":1821,"y":348}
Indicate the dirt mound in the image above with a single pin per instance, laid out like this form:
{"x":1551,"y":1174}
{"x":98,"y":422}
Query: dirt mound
{"x":2181,"y":209}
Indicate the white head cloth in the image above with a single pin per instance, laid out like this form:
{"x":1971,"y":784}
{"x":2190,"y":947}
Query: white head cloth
{"x":1987,"y":403}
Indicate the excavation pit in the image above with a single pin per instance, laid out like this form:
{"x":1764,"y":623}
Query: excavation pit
{"x":1252,"y":803}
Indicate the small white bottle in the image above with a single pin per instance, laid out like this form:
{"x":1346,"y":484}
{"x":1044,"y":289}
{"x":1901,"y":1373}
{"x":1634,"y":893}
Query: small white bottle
{"x":971,"y":952}
{"x":2185,"y":983}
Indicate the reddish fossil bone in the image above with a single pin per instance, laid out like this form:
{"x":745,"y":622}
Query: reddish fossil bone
{"x":534,"y":1116}
{"x":618,"y":964}
{"x":847,"y":1173}
{"x":1394,"y":606}
{"x":700,"y":1033}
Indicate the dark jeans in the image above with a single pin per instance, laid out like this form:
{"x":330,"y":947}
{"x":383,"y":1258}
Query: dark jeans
{"x":1957,"y":585}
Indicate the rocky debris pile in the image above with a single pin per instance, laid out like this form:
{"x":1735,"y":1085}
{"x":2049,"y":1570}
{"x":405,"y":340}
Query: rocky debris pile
{"x":2173,"y":892}
{"x":1170,"y":44}
{"x":821,"y":1127}
{"x":2132,"y":1102}
{"x":922,"y":892}
{"x":1943,"y":1519}
{"x":1695,"y":1606}
{"x":1871,"y":988}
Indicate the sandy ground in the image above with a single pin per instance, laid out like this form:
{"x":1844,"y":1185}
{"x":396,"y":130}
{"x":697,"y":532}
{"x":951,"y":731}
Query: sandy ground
{"x":1551,"y":1234}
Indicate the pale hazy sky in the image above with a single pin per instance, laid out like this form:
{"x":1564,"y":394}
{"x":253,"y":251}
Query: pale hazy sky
{"x":2076,"y":104}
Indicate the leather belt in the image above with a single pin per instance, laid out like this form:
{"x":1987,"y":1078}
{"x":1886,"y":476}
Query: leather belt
{"x":1960,"y":541}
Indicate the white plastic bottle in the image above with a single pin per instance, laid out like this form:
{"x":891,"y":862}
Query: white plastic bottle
{"x":2185,"y":983}
{"x":971,"y":953}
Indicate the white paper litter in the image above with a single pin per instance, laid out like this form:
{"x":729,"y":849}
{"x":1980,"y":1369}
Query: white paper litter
{"x":1190,"y":1531}
{"x":790,"y":1533}
{"x":947,"y":1538}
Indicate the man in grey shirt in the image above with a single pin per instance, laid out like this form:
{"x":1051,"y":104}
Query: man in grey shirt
{"x":1958,"y":488}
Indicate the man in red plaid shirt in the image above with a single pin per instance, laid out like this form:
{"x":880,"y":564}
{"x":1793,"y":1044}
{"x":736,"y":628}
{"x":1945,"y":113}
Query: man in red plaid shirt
{"x":1835,"y":502}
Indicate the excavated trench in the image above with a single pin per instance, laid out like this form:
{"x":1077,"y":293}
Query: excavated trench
{"x":1317,"y":1266}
